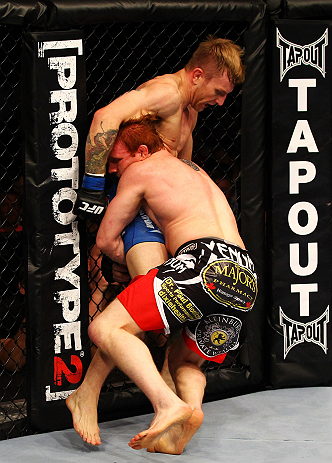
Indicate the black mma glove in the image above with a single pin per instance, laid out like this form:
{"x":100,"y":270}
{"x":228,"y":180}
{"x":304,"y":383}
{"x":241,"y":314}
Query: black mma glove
{"x":91,"y":199}
{"x":107,"y":269}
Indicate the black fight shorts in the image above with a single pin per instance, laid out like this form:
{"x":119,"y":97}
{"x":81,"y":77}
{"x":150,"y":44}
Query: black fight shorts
{"x":208,"y":288}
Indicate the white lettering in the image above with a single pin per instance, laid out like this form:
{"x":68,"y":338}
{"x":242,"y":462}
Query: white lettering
{"x":302,"y":138}
{"x":67,"y":173}
{"x":70,"y":301}
{"x":61,"y":130}
{"x":64,"y":218}
{"x":302,"y":86}
{"x":62,"y":64}
{"x":304,"y":289}
{"x":65,"y":239}
{"x":59,"y":45}
{"x":67,"y":330}
{"x":293,"y":218}
{"x":294,"y":174}
{"x":66,"y":272}
{"x":294,"y":259}
{"x":64,"y":141}
{"x":67,"y":101}
{"x":60,"y":395}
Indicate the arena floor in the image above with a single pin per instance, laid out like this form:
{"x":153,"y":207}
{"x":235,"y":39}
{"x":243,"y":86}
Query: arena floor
{"x":282,"y":426}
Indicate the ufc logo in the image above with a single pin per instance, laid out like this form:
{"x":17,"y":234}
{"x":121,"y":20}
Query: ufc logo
{"x":92,"y":209}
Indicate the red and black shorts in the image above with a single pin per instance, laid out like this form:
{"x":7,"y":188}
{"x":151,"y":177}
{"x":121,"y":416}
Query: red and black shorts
{"x":207,"y":288}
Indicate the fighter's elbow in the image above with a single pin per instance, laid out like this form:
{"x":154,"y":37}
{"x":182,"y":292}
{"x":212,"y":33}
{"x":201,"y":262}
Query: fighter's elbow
{"x":101,"y":243}
{"x":111,"y":248}
{"x":99,"y":116}
{"x":107,"y":115}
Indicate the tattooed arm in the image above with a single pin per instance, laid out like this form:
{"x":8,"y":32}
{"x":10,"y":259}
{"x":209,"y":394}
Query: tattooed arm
{"x":98,"y":149}
{"x":151,"y":98}
{"x":105,"y":127}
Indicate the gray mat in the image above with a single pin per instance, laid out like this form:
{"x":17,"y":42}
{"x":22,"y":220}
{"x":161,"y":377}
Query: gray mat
{"x":284,"y":426}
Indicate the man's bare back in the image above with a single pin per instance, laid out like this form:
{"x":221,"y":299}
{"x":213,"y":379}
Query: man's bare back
{"x":169,"y":188}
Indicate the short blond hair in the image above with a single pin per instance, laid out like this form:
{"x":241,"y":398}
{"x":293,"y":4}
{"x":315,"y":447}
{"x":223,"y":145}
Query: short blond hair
{"x":216,"y":55}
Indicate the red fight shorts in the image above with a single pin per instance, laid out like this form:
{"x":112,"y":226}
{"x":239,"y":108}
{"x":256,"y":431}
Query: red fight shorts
{"x":207,"y":288}
{"x":139,"y":301}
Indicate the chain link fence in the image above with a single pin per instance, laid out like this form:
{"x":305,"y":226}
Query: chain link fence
{"x":119,"y":57}
{"x":12,"y":314}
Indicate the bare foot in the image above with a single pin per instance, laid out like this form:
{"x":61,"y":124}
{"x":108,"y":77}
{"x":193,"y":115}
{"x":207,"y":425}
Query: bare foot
{"x":163,"y":421}
{"x":85,"y":418}
{"x":176,"y":438}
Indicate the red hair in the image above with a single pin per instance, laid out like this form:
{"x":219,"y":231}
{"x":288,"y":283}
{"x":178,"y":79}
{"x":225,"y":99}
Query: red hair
{"x":141,"y":131}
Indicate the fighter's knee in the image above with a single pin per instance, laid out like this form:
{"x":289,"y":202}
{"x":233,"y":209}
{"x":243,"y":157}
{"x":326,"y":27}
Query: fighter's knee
{"x":95,"y":331}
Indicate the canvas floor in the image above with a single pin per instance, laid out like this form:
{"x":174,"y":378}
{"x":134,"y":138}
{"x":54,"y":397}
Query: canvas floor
{"x":279,"y":426}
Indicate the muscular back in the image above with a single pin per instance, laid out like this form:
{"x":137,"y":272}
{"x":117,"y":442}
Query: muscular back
{"x":183,"y":201}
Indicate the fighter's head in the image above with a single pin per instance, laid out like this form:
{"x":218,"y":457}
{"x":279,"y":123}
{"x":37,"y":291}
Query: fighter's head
{"x":213,"y":70}
{"x":137,"y":139}
{"x":215,"y":56}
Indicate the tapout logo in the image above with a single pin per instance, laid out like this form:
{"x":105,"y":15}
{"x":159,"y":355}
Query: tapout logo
{"x":292,"y":55}
{"x":297,"y":333}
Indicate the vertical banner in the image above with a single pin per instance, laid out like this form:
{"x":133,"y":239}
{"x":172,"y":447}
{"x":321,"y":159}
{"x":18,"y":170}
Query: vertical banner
{"x":54,"y":117}
{"x":301,"y":204}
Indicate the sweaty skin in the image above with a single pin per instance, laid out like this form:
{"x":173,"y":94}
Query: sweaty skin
{"x":167,"y":189}
{"x":175,"y":99}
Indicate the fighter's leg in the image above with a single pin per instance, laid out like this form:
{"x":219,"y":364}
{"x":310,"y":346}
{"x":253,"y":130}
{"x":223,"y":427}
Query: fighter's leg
{"x":190,"y":382}
{"x":83,"y":402}
{"x":144,"y":256}
{"x":165,"y":373}
{"x":185,"y":367}
{"x":115,"y":333}
{"x":140,"y":259}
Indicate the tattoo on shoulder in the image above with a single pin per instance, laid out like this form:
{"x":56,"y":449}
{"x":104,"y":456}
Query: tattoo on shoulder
{"x":191,"y":164}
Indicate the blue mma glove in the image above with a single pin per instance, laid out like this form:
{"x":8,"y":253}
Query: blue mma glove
{"x":91,"y":200}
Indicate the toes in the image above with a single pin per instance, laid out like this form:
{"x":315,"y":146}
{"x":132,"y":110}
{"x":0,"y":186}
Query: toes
{"x":136,"y":447}
{"x":135,"y":439}
{"x":134,"y":443}
{"x":93,"y":439}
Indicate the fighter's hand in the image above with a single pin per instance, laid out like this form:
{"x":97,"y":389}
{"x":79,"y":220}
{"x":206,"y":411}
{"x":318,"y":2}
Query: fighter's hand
{"x":91,"y":199}
{"x":120,"y":273}
{"x":114,"y":272}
